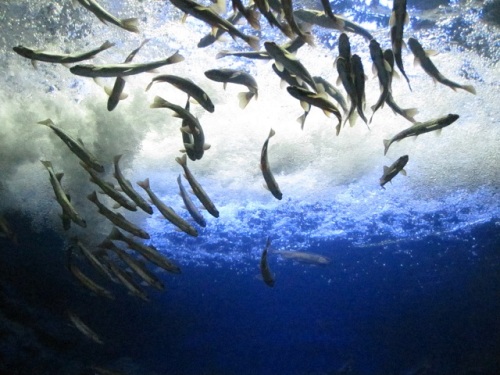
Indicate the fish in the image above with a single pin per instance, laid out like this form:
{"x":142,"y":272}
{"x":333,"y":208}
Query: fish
{"x":127,"y":188}
{"x":345,"y":76}
{"x":286,"y":60}
{"x":265,"y":271}
{"x":190,"y":124}
{"x":399,"y":18}
{"x":122,"y":70}
{"x":265,"y":10}
{"x":126,"y":279}
{"x":189,"y":87}
{"x":188,"y":203}
{"x":291,"y":46}
{"x":6,"y":230}
{"x":135,"y":265}
{"x":76,"y":146}
{"x":408,"y":113}
{"x":187,"y":138}
{"x":83,"y":328}
{"x":359,"y":85}
{"x":59,"y":58}
{"x":422,"y":58}
{"x":303,"y":257}
{"x":319,"y":18}
{"x":61,"y":196}
{"x":271,"y":183}
{"x":129,"y":24}
{"x":148,"y":252}
{"x":196,"y":187}
{"x":207,"y":15}
{"x":92,"y":258}
{"x":421,"y":128}
{"x":108,"y":189}
{"x":384,"y":72}
{"x":308,"y":98}
{"x":212,"y":37}
{"x":118,"y":219}
{"x":85,"y":280}
{"x":239,"y":77}
{"x":250,"y":14}
{"x":167,"y":212}
{"x":393,"y":170}
{"x":116,"y":93}
{"x":290,"y":19}
{"x":344,"y":47}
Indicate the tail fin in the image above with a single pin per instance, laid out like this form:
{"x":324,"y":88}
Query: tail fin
{"x":175,"y":58}
{"x":245,"y":98}
{"x":115,"y":234}
{"x":47,"y":164}
{"x":93,"y":197}
{"x":470,"y":89}
{"x":47,"y":122}
{"x":107,"y":44}
{"x":130,"y":24}
{"x":159,"y":103}
{"x":182,"y":160}
{"x":144,"y":184}
{"x":222,"y":54}
{"x":410,"y":113}
{"x":253,"y":42}
{"x":253,"y":19}
{"x":117,"y":158}
{"x":387,"y":143}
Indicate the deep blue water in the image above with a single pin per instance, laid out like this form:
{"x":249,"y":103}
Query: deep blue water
{"x":385,"y":309}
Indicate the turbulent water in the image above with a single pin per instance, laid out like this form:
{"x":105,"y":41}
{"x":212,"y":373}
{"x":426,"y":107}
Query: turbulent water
{"x":332,"y":200}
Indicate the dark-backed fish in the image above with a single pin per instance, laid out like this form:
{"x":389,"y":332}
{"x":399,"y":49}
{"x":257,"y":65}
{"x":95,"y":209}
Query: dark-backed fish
{"x":393,"y":170}
{"x":129,"y":24}
{"x":422,"y":58}
{"x":384,"y":73}
{"x":324,"y":86}
{"x":190,"y":207}
{"x":399,"y":18}
{"x":265,"y":271}
{"x":421,"y":128}
{"x":83,"y":328}
{"x":291,"y":46}
{"x":345,"y":76}
{"x":359,"y":85}
{"x":239,"y":77}
{"x":271,"y":183}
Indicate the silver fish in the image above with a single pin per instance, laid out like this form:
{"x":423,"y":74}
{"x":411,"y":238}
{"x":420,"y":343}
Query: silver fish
{"x":304,"y":257}
{"x":129,"y":24}
{"x":421,"y":128}
{"x":76,"y":146}
{"x":271,"y":183}
{"x":399,"y":18}
{"x":393,"y":170}
{"x":83,"y":328}
{"x":122,"y":70}
{"x":188,"y":203}
{"x":265,"y":271}
{"x":239,"y":77}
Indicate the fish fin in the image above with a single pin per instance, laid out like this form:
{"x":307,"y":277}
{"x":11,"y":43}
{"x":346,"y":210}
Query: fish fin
{"x":387,"y":66}
{"x":222,"y":54}
{"x":186,"y":129}
{"x":301,"y":120}
{"x":470,"y":89}
{"x":224,"y":85}
{"x":153,"y":71}
{"x":386,"y":169}
{"x":410,"y":113}
{"x":158,"y":102}
{"x":395,"y":74}
{"x":107,"y":44}
{"x":327,"y":113}
{"x":416,"y":61}
{"x":271,"y":133}
{"x":283,"y":84}
{"x":253,"y":19}
{"x":93,"y":197}
{"x":182,"y":160}
{"x":266,"y":187}
{"x":403,"y":172}
{"x":431,"y":52}
{"x":47,"y":122}
{"x":320,"y":88}
{"x":352,"y":118}
{"x":123,"y":96}
{"x":184,"y":18}
{"x":35,"y":64}
{"x":108,"y":90}
{"x":59,"y":176}
{"x":244,"y":98}
{"x":144,"y":184}
{"x":338,"y":81}
{"x":254,"y":42}
{"x":305,"y":106}
{"x":279,"y":66}
{"x":206,"y":146}
{"x":374,"y":70}
{"x":392,"y":20}
{"x":437,"y":132}
{"x":98,"y":81}
{"x":387,"y":143}
{"x":407,"y":18}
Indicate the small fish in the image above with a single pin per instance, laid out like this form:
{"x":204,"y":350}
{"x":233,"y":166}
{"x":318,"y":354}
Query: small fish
{"x":137,"y":266}
{"x":116,"y":93}
{"x":384,"y":72}
{"x":189,"y":87}
{"x":40,"y":55}
{"x":83,"y":328}
{"x":250,"y":14}
{"x":422,"y":58}
{"x":271,"y":183}
{"x":340,"y":23}
{"x":213,"y":19}
{"x":148,"y":252}
{"x":118,"y":219}
{"x":399,"y":18}
{"x":76,"y":146}
{"x":85,"y":280}
{"x":291,"y":47}
{"x":196,"y":187}
{"x":265,"y":271}
{"x":393,"y":170}
{"x":408,"y":113}
{"x":212,"y":37}
{"x":308,"y":98}
{"x":265,"y":10}
{"x":187,"y":138}
{"x":110,"y":190}
{"x":286,"y":60}
{"x":129,"y":24}
{"x":345,"y":76}
{"x":191,"y":125}
{"x":188,"y":203}
{"x":167,"y":212}
{"x":61,"y":196}
{"x":128,"y":189}
{"x":290,"y":19}
{"x":303,"y":257}
{"x":359,"y":85}
{"x":92,"y":258}
{"x":421,"y":128}
{"x":239,"y":77}
{"x":345,"y":48}
{"x":122,"y":70}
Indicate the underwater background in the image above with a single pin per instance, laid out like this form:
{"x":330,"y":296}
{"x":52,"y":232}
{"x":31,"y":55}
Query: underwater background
{"x":413,"y":282}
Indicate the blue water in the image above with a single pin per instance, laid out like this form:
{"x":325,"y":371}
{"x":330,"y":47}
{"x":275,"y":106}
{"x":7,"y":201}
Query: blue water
{"x":413,"y":286}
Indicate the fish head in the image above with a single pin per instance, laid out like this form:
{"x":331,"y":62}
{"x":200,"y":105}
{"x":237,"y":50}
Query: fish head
{"x":23,"y":51}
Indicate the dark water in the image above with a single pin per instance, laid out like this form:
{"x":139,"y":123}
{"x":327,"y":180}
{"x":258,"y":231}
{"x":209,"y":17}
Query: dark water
{"x":383,"y":308}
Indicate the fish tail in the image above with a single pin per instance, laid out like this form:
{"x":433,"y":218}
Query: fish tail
{"x":106,"y":244}
{"x":175,"y":58}
{"x":245,"y":98}
{"x":115,"y":234}
{"x":222,"y":54}
{"x":469,"y":88}
{"x":271,"y":133}
{"x":117,"y":158}
{"x":144,"y":184}
{"x":253,"y":42}
{"x":182,"y":160}
{"x":302,"y":120}
{"x":253,"y":19}
{"x":409,"y":113}
{"x":387,"y":143}
{"x":159,"y":102}
{"x":93,"y":197}
{"x":130,"y":24}
{"x":47,"y":164}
